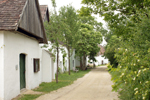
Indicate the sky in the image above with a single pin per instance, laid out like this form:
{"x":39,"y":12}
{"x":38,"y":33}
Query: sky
{"x":75,"y":3}
{"x":59,"y":3}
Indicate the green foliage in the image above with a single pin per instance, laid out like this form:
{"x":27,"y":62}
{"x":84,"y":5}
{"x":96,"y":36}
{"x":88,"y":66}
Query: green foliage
{"x":64,"y":80}
{"x":28,"y":97}
{"x":64,"y":56}
{"x":69,"y":25}
{"x":89,"y":35}
{"x":54,"y":34}
{"x":128,"y":45}
{"x":133,"y":70}
{"x":84,"y":11}
{"x":117,"y":12}
{"x":69,"y":28}
{"x":88,"y":41}
{"x":65,"y":68}
{"x":59,"y":70}
{"x":113,"y":43}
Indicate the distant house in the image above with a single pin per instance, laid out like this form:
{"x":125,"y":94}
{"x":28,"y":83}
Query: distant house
{"x":23,"y":64}
{"x":100,"y":56}
{"x":48,"y":64}
{"x":44,"y":13}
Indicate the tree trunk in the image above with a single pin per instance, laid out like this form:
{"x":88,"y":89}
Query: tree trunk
{"x":57,"y":65}
{"x":69,"y":58}
{"x":81,"y":66}
{"x":93,"y":64}
{"x":84,"y":60}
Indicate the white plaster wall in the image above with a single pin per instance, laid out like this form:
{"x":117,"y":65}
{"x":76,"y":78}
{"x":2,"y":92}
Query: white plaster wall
{"x":53,"y":69}
{"x":54,"y":62}
{"x":77,"y":61}
{"x":15,"y":44}
{"x":99,"y":60}
{"x":46,"y":67}
{"x":72,"y":58}
{"x":1,"y":65}
{"x":61,"y":59}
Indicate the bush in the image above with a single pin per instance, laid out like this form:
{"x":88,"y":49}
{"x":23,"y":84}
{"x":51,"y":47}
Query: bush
{"x":132,"y":76}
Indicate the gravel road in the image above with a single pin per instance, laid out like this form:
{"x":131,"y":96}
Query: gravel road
{"x":96,"y":85}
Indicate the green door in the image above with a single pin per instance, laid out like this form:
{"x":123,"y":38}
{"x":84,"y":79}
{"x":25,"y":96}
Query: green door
{"x":22,"y":71}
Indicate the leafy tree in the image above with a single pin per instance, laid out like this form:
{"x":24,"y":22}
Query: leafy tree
{"x":133,"y":68}
{"x":117,"y":12}
{"x":89,"y":36}
{"x":87,"y":43}
{"x":129,"y":21}
{"x":54,"y":35}
{"x":113,"y":43}
{"x":69,"y":28}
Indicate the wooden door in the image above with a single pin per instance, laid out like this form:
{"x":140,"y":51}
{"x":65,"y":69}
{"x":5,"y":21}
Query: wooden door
{"x":22,"y":71}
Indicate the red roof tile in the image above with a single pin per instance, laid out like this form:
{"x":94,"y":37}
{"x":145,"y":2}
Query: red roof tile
{"x":43,"y":9}
{"x":102,"y":50}
{"x":10,"y":13}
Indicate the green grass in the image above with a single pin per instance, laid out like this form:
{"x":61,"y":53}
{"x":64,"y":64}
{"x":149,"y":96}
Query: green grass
{"x":63,"y":80}
{"x":28,"y":97}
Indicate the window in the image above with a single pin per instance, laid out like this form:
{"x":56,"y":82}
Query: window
{"x":36,"y":64}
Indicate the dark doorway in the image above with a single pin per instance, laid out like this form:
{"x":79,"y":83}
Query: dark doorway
{"x":22,"y":72}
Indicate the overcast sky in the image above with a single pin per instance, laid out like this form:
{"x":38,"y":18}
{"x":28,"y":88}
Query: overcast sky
{"x":75,"y":3}
{"x":59,"y":3}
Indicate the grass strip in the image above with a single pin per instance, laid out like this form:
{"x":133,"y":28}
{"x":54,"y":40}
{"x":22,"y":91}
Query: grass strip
{"x":29,"y":97}
{"x":63,"y":80}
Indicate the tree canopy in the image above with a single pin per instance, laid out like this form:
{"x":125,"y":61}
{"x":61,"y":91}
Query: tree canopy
{"x":89,"y":36}
{"x":128,"y":44}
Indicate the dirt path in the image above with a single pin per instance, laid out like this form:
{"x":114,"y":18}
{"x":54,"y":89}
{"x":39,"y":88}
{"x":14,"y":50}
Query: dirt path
{"x":96,"y":85}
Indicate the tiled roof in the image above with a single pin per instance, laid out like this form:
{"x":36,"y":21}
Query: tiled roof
{"x":102,"y":50}
{"x":10,"y":13}
{"x":43,"y":9}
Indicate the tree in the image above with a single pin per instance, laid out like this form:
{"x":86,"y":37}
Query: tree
{"x":87,"y":43}
{"x":112,"y":44}
{"x":130,"y":26}
{"x":69,"y":28}
{"x":54,"y":34}
{"x":118,"y":12}
{"x":89,"y":36}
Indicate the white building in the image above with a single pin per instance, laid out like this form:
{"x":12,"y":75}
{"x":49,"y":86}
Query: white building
{"x":63,"y":63}
{"x":23,"y":64}
{"x":101,"y":60}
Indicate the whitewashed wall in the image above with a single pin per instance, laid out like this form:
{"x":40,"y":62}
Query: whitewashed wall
{"x":99,"y":60}
{"x":15,"y":44}
{"x":72,"y":60}
{"x":46,"y":67}
{"x":1,"y":65}
{"x":60,"y":58}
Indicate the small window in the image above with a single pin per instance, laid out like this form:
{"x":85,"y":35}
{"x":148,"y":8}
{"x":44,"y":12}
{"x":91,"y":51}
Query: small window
{"x":36,"y":63}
